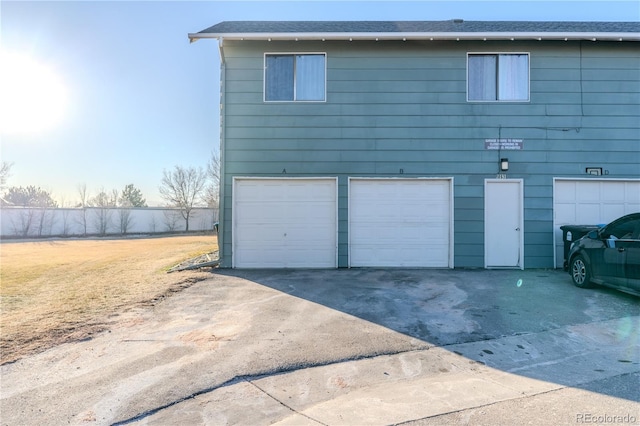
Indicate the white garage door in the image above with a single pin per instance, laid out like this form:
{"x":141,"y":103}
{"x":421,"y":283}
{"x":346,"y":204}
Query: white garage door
{"x":400,"y":222}
{"x":285,"y":223}
{"x":591,"y":202}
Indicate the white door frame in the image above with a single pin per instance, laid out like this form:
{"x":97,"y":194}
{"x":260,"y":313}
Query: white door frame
{"x":635,"y":206}
{"x":451,"y":209}
{"x":520,"y":229}
{"x":234,"y":219}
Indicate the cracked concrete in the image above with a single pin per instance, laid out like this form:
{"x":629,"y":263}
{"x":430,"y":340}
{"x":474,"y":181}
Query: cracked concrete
{"x":346,"y":347}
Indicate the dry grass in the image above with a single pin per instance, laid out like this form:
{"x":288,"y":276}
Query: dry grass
{"x":64,"y":290}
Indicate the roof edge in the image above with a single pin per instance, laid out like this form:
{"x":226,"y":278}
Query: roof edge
{"x":352,"y":36}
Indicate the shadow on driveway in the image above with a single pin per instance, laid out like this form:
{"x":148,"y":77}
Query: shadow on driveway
{"x":533,"y":323}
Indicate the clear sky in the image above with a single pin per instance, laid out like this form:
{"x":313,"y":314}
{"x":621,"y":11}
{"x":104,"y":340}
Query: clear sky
{"x":107,"y":93}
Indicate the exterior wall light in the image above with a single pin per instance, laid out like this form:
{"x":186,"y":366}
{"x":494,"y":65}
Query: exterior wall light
{"x":504,"y":164}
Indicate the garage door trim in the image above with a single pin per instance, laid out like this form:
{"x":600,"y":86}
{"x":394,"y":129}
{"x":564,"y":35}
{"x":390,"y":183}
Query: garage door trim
{"x":556,"y":224}
{"x":234,"y":219}
{"x":449,"y":180}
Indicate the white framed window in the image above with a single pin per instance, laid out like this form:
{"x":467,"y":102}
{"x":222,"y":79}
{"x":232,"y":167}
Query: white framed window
{"x":295,"y":77}
{"x":498,"y":77}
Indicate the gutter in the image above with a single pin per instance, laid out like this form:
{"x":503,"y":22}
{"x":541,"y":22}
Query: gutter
{"x":457,"y":36}
{"x":223,"y":178}
{"x":220,"y":49}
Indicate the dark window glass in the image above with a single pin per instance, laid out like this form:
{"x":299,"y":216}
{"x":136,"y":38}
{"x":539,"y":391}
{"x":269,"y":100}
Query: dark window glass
{"x":295,"y":77}
{"x":493,"y":77}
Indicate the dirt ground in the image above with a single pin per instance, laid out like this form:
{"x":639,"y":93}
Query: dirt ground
{"x":57,"y":291}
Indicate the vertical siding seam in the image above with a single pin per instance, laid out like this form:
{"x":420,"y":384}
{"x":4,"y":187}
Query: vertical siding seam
{"x":581,"y":82}
{"x":222,"y":216}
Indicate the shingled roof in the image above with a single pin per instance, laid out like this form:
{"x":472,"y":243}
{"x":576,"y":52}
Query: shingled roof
{"x":447,"y":30}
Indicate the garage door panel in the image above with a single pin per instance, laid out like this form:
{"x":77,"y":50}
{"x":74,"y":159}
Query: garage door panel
{"x":300,"y":258}
{"x":259,"y":233}
{"x":567,"y":211}
{"x":411,"y":209}
{"x":588,"y":191}
{"x":391,"y":192}
{"x":588,"y":212}
{"x":565,"y":192}
{"x":246,"y":213}
{"x":613,"y":210}
{"x":399,"y":222}
{"x":307,"y":234}
{"x":256,"y":258}
{"x":272,"y":230}
{"x":309,"y":211}
{"x":285,"y":223}
{"x":632,"y":194}
{"x":247,"y":258}
{"x":375,"y":231}
{"x":394,"y":236}
{"x":405,"y":257}
{"x":614,"y":193}
{"x":397,"y":243}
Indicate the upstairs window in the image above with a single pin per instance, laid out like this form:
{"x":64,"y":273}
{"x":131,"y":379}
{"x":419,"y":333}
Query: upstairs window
{"x":294,"y":77}
{"x":498,"y":77}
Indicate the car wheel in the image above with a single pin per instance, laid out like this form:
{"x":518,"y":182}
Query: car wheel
{"x":580,"y":272}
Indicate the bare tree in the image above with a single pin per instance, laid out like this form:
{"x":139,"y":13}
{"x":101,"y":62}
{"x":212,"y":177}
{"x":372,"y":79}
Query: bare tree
{"x":104,"y":204}
{"x":36,"y":203}
{"x":212,"y":192}
{"x":129,"y":197}
{"x":29,"y":196}
{"x":171,"y":218}
{"x":83,"y":204}
{"x":153,"y":224}
{"x":182,"y":188}
{"x":47,"y":216}
{"x":5,"y":172}
{"x":22,"y":224}
{"x":64,"y":213}
{"x":125,"y":219}
{"x":66,"y":226}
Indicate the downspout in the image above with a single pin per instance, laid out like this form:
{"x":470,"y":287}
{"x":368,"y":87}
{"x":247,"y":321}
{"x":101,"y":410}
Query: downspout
{"x":223,"y":179}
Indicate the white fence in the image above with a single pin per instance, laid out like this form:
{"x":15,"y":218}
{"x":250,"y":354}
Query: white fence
{"x":38,"y":222}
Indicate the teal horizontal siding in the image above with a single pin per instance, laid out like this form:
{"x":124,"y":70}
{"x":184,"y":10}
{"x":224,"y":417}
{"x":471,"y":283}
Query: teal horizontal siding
{"x":612,"y":86}
{"x":357,"y":156}
{"x":532,"y":146}
{"x":610,"y":74}
{"x":414,"y":133}
{"x":612,"y":109}
{"x":380,"y":77}
{"x":544,"y":214}
{"x":397,"y":109}
{"x":431,"y":122}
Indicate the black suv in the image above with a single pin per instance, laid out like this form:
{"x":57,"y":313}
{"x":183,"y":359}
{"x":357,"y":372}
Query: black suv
{"x":609,"y":256}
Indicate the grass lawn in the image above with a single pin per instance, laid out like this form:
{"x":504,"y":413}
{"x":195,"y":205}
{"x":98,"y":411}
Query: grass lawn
{"x":57,"y":291}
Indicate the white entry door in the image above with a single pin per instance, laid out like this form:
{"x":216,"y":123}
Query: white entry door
{"x":503,"y":224}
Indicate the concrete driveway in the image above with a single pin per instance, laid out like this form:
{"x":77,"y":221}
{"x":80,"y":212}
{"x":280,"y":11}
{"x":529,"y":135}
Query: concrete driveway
{"x":357,"y":346}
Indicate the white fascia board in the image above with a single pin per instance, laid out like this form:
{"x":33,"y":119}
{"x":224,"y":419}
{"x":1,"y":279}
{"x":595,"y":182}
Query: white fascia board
{"x":594,"y":36}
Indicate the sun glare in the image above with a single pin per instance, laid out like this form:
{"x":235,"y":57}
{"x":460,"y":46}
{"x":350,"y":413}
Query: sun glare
{"x":33,"y":98}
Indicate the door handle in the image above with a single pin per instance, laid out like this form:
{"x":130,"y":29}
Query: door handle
{"x":517,"y":229}
{"x":620,"y":250}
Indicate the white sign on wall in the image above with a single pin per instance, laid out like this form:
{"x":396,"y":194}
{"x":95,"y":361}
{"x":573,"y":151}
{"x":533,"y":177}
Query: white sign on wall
{"x":506,"y":144}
